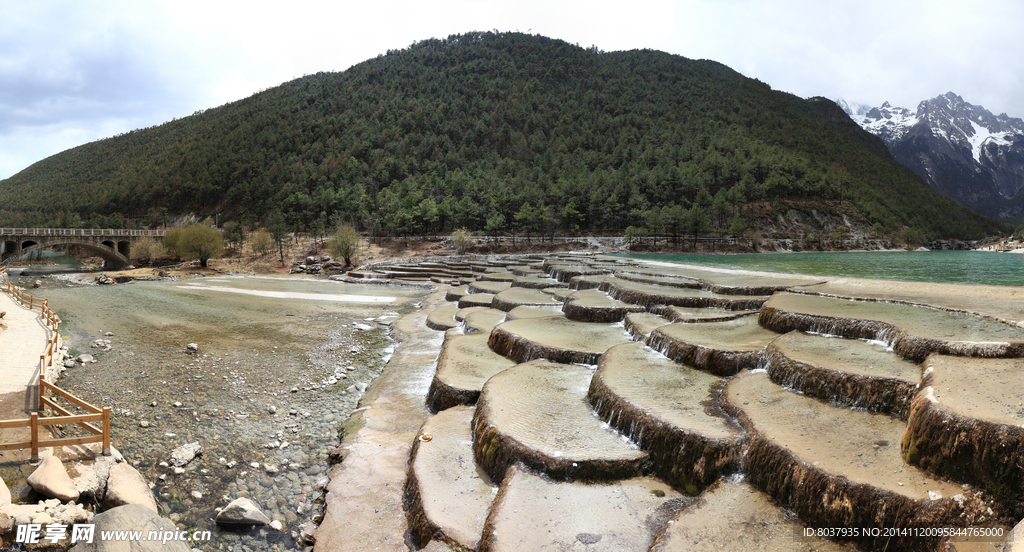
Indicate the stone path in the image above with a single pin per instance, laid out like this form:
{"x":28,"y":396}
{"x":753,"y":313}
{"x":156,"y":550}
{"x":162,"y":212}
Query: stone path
{"x":20,"y":346}
{"x":364,"y":501}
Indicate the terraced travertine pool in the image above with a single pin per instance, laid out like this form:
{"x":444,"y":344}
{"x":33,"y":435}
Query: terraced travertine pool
{"x":852,"y":356}
{"x":916,"y":320}
{"x":641,"y":433}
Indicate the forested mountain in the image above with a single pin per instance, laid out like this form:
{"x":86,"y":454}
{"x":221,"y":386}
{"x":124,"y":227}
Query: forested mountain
{"x":496,"y":131}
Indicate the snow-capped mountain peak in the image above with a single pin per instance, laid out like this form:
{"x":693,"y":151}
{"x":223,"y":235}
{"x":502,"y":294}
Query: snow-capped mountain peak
{"x":962,"y":150}
{"x":888,"y":122}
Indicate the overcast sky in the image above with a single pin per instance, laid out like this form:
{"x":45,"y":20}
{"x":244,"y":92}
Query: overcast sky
{"x":74,"y":72}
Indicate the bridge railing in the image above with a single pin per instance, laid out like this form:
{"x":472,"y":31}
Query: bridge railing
{"x":78,"y":232}
{"x":45,"y":388}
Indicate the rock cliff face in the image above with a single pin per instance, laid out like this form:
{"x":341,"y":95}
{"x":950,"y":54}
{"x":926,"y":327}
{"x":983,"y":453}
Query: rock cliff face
{"x":961,"y":150}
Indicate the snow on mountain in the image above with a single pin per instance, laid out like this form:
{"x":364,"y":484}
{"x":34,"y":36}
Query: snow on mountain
{"x":888,"y":122}
{"x":982,"y":136}
{"x":854,"y":110}
{"x":962,"y":150}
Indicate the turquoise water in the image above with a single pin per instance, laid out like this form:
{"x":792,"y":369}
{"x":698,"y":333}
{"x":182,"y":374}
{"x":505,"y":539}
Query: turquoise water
{"x":956,"y":267}
{"x":50,"y":261}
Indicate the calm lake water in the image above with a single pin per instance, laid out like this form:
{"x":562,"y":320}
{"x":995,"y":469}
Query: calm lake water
{"x":956,"y":267}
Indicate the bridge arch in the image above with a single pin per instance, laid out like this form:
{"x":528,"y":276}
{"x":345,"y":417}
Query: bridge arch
{"x":112,"y":258}
{"x":113,"y":246}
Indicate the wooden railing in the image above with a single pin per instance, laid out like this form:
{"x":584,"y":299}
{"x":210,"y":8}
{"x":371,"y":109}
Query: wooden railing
{"x":93,"y":414}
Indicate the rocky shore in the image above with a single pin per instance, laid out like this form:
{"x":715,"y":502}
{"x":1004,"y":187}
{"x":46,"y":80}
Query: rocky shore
{"x":254,"y":387}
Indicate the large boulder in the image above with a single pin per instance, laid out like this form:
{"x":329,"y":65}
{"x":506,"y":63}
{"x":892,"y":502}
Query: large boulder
{"x":126,"y":485}
{"x":92,"y":477}
{"x":185,"y":454}
{"x":51,"y":479}
{"x":132,"y":517}
{"x":242,"y":511}
{"x":1015,"y":540}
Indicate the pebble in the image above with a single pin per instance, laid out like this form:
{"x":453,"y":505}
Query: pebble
{"x":143,"y":423}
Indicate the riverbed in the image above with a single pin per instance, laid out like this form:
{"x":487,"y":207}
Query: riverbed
{"x":281,"y":362}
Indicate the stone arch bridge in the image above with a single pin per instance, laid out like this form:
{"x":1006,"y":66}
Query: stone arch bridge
{"x":112,"y":245}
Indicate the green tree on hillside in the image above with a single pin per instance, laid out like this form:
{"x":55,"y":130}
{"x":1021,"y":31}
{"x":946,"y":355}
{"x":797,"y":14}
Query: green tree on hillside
{"x":278,"y":230}
{"x":262,"y":242}
{"x":462,"y":239}
{"x":696,"y":223}
{"x":200,"y":242}
{"x":345,"y":244}
{"x":171,"y":239}
{"x":234,"y":235}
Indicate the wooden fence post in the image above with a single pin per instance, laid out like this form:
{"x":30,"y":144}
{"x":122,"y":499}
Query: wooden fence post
{"x":106,"y":431}
{"x":34,"y":428}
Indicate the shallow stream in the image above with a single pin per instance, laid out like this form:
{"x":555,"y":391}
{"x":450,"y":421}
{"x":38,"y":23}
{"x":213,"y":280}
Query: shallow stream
{"x":280,"y":364}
